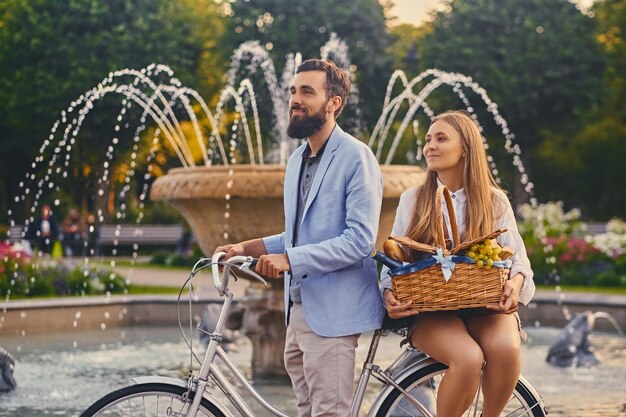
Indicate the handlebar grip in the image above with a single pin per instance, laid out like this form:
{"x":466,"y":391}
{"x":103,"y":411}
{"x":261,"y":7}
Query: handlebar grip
{"x":215,"y":270}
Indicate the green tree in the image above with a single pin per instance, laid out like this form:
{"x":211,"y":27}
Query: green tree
{"x":537,"y":59}
{"x":407,"y":47}
{"x":51,"y":52}
{"x":285,"y":26}
{"x":584,"y":164}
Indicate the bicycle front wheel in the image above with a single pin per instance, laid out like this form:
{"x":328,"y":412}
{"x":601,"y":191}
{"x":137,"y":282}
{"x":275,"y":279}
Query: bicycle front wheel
{"x":149,"y":400}
{"x":423,"y":384}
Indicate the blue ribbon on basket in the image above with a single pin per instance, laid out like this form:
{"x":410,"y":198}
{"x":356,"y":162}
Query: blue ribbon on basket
{"x":503,"y":264}
{"x":434,"y":260}
{"x":446,"y":262}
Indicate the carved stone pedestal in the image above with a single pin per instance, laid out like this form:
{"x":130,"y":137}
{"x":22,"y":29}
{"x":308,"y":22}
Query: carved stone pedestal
{"x":263,"y":322}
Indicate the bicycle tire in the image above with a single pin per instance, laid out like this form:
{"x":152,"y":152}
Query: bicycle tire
{"x":522,"y":403}
{"x":151,"y":399}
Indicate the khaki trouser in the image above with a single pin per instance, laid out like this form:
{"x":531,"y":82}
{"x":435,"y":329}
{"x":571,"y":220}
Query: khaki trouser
{"x":321,"y":368}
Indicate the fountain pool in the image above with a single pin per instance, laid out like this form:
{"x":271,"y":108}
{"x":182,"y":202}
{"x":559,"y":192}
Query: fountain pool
{"x":61,"y":374}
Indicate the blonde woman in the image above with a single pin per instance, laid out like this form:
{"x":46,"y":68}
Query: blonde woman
{"x":464,"y":340}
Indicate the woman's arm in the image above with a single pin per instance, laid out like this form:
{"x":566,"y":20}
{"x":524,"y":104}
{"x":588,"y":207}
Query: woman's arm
{"x":520,"y":269}
{"x":400,"y":225}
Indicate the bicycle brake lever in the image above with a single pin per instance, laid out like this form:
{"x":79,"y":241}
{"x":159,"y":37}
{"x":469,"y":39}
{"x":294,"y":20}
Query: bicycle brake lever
{"x":249,"y":266}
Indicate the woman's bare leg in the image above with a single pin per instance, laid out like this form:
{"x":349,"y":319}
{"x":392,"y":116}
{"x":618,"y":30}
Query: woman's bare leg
{"x":498,"y":337}
{"x":445,"y":337}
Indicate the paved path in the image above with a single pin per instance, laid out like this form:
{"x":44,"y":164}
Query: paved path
{"x":168,"y":277}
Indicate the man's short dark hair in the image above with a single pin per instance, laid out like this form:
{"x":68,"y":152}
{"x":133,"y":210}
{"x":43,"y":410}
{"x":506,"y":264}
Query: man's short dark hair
{"x":337,"y":80}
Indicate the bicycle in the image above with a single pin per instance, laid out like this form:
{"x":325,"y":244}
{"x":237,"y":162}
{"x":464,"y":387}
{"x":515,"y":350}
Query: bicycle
{"x":409,"y":384}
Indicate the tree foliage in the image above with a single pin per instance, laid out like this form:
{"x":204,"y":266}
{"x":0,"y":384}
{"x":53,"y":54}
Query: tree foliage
{"x":51,"y":52}
{"x":406,"y":48}
{"x":535,"y":58}
{"x":584,"y":163}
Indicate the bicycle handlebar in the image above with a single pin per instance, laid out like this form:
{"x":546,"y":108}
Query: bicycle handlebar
{"x":246,"y":263}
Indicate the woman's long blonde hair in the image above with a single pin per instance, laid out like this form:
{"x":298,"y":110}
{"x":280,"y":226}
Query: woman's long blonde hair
{"x":481,"y":189}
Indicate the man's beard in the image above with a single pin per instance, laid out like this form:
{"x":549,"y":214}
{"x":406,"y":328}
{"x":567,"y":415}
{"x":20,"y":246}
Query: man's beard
{"x":301,"y":127}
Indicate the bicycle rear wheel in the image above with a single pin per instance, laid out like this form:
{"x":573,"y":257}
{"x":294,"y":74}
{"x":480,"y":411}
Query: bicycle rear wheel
{"x":149,"y":400}
{"x":423,"y":384}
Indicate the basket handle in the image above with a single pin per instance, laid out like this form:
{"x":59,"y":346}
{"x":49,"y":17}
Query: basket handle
{"x":442,"y":191}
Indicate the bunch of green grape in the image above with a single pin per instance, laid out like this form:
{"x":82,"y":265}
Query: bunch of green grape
{"x":485,"y":254}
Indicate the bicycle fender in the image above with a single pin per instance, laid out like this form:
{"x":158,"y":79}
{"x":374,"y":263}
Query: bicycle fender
{"x":533,"y":392}
{"x":398,"y":378}
{"x":181,"y":383}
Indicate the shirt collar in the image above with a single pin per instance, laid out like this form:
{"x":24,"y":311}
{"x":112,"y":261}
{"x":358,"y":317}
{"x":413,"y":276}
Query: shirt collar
{"x":307,"y":151}
{"x":459,"y":196}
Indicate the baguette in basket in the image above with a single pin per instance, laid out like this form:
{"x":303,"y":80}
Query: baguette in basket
{"x":448,"y":279}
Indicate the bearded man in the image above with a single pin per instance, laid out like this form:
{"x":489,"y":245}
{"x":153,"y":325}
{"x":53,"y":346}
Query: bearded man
{"x":332,"y":201}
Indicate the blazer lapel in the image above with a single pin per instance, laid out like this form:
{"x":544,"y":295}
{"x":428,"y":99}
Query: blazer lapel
{"x":292,"y":176}
{"x":327,"y":157}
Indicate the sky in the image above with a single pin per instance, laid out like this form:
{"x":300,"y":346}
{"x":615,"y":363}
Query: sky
{"x":413,"y":11}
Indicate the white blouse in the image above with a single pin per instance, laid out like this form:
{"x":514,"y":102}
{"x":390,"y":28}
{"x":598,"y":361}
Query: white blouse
{"x":511,"y":238}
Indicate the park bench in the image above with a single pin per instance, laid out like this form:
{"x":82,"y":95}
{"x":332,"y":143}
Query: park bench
{"x":595,"y":228}
{"x":15,"y":233}
{"x":142,"y":234}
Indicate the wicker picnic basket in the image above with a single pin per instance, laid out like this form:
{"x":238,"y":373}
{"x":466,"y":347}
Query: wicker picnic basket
{"x":469,"y":286}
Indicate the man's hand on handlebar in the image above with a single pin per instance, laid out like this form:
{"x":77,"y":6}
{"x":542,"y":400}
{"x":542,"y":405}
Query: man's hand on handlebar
{"x":231,"y":250}
{"x":273,"y":266}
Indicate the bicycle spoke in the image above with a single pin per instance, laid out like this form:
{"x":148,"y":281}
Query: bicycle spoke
{"x":419,"y":414}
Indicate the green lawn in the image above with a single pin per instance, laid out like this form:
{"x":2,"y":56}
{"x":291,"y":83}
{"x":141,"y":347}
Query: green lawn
{"x":140,"y":265}
{"x":150,"y":289}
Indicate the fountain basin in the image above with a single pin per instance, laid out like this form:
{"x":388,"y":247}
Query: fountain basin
{"x":240,"y":202}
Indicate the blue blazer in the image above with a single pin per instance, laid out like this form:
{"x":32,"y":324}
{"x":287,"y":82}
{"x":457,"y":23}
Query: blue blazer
{"x":339,"y":286}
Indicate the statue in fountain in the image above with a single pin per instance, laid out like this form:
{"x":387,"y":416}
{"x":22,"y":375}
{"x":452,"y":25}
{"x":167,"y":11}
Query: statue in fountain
{"x":572,"y":346}
{"x":7,"y":364}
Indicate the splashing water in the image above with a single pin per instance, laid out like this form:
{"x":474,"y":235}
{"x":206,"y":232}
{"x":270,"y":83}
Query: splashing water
{"x":417,"y":100}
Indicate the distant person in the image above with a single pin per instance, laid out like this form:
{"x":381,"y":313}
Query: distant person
{"x":44,"y":230}
{"x":73,"y":234}
{"x":90,"y":234}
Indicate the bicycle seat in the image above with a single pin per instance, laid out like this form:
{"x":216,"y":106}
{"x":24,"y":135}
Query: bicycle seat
{"x":396,"y":324}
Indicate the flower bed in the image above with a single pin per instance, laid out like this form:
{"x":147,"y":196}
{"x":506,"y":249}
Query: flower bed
{"x":22,"y":275}
{"x":562,"y":252}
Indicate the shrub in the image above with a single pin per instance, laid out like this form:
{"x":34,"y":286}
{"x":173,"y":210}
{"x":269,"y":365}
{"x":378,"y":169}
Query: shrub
{"x":559,"y":255}
{"x":23,"y":276}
